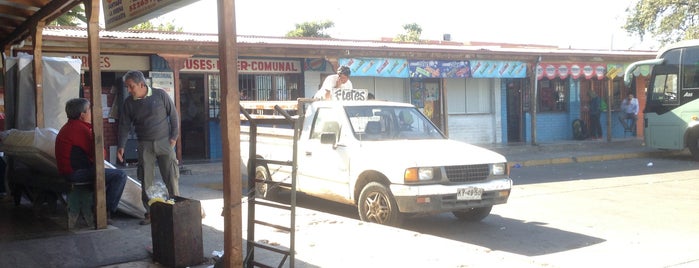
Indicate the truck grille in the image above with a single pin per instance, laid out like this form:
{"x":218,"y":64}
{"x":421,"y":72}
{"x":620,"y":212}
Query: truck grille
{"x":468,"y":173}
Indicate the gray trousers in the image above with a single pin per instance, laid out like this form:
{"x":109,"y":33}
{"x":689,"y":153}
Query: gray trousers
{"x":148,"y":153}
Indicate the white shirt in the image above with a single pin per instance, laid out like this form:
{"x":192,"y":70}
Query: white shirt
{"x":329,"y":84}
{"x":630,"y":107}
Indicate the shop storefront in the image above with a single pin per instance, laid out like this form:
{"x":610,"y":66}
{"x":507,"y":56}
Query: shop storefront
{"x":200,"y":96}
{"x":563,"y":95}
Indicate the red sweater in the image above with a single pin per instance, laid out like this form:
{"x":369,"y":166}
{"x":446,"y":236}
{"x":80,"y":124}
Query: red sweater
{"x":75,"y":147}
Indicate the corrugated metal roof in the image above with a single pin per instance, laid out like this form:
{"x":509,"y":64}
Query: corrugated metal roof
{"x":324,"y":42}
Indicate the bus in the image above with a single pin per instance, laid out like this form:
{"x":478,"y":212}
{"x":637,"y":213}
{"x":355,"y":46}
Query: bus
{"x":671,"y":116}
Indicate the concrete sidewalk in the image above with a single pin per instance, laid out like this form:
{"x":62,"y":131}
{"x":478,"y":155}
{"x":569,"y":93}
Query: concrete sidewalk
{"x":322,"y":239}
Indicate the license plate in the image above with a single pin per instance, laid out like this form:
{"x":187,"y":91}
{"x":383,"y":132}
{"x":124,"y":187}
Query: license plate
{"x":470,"y":193}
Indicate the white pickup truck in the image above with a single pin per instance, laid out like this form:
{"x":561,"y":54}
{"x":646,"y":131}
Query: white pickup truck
{"x":390,"y":161}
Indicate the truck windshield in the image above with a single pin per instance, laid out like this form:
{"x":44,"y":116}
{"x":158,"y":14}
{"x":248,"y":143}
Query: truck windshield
{"x":390,"y":123}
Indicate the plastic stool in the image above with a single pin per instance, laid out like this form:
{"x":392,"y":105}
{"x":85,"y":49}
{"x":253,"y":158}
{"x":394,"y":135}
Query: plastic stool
{"x":80,"y":202}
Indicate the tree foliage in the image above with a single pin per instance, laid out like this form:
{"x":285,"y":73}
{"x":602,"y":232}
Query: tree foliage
{"x":311,"y":29}
{"x":667,"y":21}
{"x":157,"y":25}
{"x":412,"y":33}
{"x":74,"y":17}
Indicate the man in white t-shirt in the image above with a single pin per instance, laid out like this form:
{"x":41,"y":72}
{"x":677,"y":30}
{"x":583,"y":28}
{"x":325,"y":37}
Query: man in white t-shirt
{"x":339,"y":80}
{"x":629,"y":110}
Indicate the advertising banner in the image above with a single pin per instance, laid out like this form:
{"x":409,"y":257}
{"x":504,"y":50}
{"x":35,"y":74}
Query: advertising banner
{"x":551,"y":70}
{"x":439,"y":69}
{"x":498,"y":69}
{"x":376,"y":67}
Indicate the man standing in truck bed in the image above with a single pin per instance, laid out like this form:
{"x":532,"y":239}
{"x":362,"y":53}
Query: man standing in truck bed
{"x":152,"y":113}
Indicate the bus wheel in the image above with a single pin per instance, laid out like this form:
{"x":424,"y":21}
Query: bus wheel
{"x":693,"y":144}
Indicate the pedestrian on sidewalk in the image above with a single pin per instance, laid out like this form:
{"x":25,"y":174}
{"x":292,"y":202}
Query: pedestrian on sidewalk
{"x":594,"y":112}
{"x":629,"y":111}
{"x":152,"y":113}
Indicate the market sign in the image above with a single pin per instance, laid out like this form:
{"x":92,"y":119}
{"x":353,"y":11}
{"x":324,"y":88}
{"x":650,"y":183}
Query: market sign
{"x":110,"y":62}
{"x":551,"y":70}
{"x":256,"y":66}
{"x":498,"y":69}
{"x":122,"y":14}
{"x":439,"y":69}
{"x":376,"y":67}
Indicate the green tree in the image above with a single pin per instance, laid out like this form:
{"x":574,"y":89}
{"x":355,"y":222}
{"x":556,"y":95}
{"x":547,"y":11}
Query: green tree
{"x":74,"y":17}
{"x":157,"y":25}
{"x":311,"y":29}
{"x":667,"y":21}
{"x":412,"y":33}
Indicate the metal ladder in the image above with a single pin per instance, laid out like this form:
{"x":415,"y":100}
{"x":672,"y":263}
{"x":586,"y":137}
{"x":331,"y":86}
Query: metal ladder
{"x":253,"y":200}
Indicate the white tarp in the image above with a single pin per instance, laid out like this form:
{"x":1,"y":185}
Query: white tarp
{"x":61,"y":82}
{"x":35,"y":149}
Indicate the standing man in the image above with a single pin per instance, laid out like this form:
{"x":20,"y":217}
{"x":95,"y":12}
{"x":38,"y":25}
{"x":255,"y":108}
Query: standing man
{"x":153,"y":115}
{"x":75,"y":151}
{"x":629,"y":110}
{"x":339,"y":80}
{"x":595,"y":111}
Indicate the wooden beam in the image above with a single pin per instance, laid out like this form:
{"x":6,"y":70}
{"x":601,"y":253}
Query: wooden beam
{"x":93,"y":41}
{"x":51,"y":9}
{"x":38,"y":74}
{"x":230,"y":136}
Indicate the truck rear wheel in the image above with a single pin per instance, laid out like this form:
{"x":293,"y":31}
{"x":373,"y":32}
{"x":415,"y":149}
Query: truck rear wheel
{"x":376,"y":204}
{"x":264,"y":186}
{"x":473,"y":214}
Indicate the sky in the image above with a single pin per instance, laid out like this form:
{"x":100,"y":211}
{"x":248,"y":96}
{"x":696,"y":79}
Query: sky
{"x":590,"y":24}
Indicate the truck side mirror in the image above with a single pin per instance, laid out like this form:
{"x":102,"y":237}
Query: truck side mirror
{"x":328,"y":138}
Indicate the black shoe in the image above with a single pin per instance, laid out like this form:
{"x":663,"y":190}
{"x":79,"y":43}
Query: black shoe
{"x":146,"y":220}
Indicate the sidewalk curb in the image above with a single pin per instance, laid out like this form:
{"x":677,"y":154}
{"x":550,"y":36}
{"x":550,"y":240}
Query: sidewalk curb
{"x":591,"y":158}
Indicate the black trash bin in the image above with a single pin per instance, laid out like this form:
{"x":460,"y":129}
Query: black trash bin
{"x":176,"y":232}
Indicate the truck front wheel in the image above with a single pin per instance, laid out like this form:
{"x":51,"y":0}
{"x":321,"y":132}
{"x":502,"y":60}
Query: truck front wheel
{"x":473,"y":214}
{"x":376,"y":204}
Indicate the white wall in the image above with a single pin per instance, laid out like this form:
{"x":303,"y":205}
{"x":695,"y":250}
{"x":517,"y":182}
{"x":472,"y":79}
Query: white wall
{"x":475,"y":128}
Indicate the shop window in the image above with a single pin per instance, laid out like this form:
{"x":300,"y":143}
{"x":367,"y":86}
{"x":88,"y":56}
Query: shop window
{"x":553,"y":95}
{"x":469,"y":96}
{"x":269,"y":87}
{"x":214,"y":96}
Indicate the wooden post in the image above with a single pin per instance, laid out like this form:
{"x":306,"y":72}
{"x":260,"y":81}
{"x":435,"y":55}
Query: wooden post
{"x":610,"y":88}
{"x":38,"y":73}
{"x":230,"y":135}
{"x":92,"y":12}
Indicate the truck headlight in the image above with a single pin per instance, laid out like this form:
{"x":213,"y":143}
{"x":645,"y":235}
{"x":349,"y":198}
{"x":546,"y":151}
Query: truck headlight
{"x":499,"y":169}
{"x":418,"y":174}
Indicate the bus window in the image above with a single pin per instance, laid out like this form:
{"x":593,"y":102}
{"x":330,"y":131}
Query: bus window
{"x":690,"y":71}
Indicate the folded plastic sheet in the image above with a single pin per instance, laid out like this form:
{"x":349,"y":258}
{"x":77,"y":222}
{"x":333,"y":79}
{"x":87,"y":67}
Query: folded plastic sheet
{"x":35,"y":149}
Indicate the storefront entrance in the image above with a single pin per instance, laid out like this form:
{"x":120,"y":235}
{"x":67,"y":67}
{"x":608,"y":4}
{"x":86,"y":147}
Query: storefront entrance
{"x":515,"y":111}
{"x":193,"y":116}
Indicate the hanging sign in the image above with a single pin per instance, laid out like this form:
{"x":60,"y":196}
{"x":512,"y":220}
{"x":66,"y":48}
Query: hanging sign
{"x":349,"y":94}
{"x":122,"y":14}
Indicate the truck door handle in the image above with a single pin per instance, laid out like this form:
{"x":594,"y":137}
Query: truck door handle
{"x":309,"y":153}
